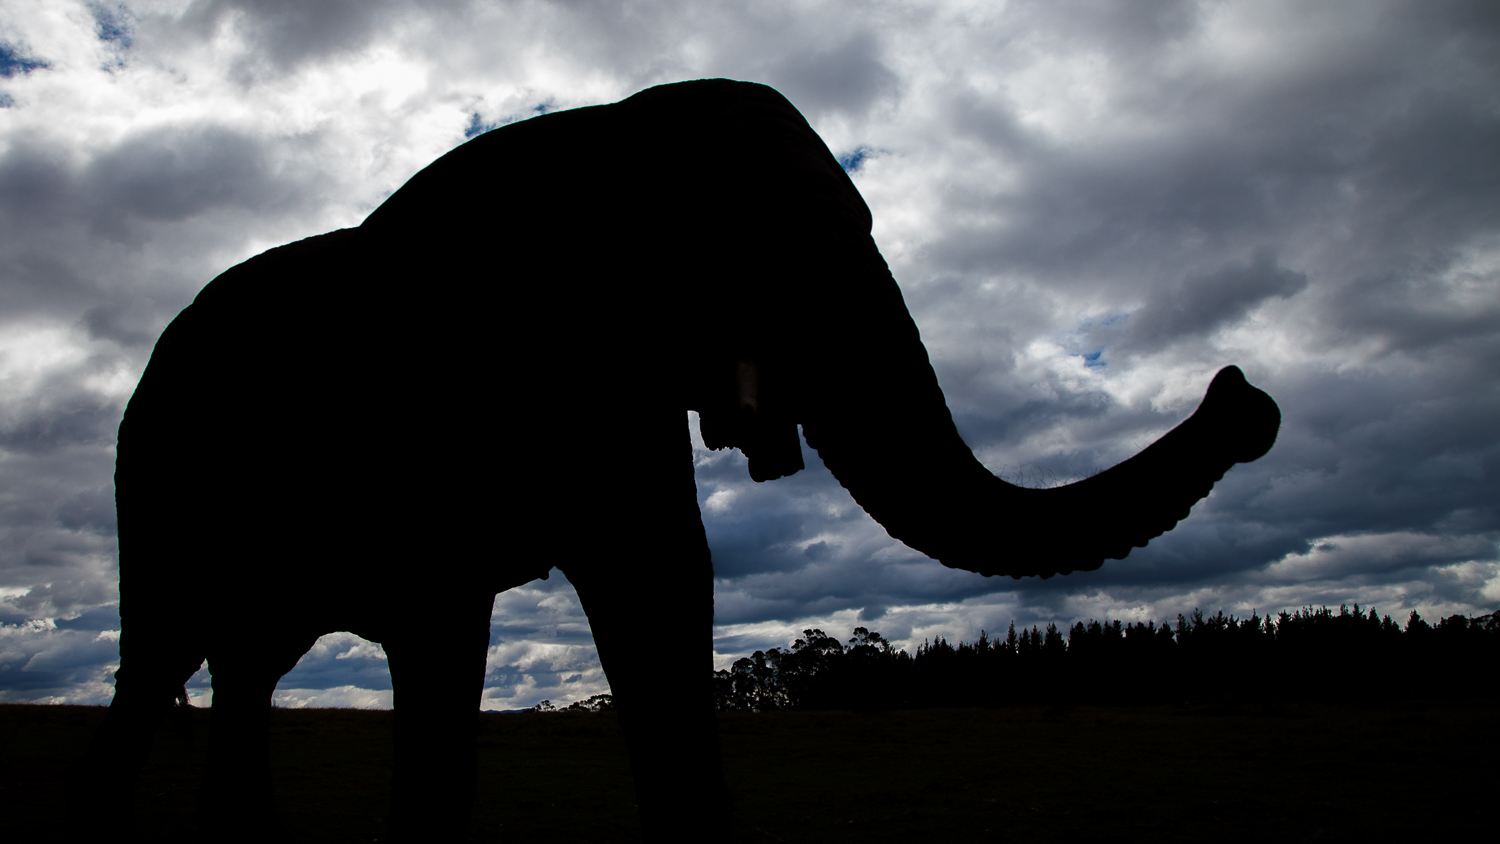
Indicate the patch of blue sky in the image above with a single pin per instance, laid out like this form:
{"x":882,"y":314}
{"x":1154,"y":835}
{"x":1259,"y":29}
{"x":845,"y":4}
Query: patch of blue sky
{"x":13,"y":60}
{"x":1088,"y":324}
{"x":477,"y":126}
{"x":1084,"y":335}
{"x":852,"y":161}
{"x":113,"y":24}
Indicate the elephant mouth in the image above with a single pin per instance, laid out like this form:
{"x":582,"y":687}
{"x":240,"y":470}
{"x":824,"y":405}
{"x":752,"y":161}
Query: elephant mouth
{"x":768,"y":440}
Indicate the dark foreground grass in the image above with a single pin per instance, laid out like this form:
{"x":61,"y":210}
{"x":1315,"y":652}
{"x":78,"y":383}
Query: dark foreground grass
{"x":1300,"y":772}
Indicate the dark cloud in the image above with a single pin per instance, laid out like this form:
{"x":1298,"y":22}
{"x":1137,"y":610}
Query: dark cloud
{"x":1124,"y":30}
{"x":114,"y":241}
{"x":75,"y":586}
{"x":1404,"y":157}
{"x":285,"y":34}
{"x":123,"y":325}
{"x":34,"y":182}
{"x":847,"y":77}
{"x":1202,"y":304}
{"x":171,"y":175}
{"x":40,"y":663}
{"x":1419,"y":308}
{"x":80,"y":419}
{"x":340,"y":660}
{"x":90,"y":511}
{"x":1410,"y":465}
{"x":37,"y":280}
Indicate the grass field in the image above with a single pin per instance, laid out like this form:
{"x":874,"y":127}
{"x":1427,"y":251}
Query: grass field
{"x":1300,"y":772}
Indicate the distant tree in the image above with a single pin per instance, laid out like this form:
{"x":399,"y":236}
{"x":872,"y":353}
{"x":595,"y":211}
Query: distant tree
{"x":1053,"y":645}
{"x":1205,"y":657}
{"x":1030,"y":643}
{"x":871,"y":674}
{"x":862,"y":638}
{"x":753,"y":684}
{"x":810,"y":671}
{"x":595,"y":703}
{"x":1415,"y":626}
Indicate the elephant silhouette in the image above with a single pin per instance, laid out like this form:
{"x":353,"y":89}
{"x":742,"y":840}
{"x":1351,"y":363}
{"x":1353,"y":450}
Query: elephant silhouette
{"x":377,"y":429}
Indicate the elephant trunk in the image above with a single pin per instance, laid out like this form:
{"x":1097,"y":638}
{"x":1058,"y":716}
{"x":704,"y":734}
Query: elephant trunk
{"x":888,"y":437}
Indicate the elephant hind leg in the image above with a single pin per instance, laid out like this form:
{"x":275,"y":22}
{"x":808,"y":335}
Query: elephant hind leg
{"x":236,"y":802}
{"x":101,"y":785}
{"x":437,"y":678}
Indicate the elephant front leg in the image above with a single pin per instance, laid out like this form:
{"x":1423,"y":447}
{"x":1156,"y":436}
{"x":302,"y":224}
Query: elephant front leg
{"x":437,"y":677}
{"x":236,"y":802}
{"x":664,"y":695}
{"x":653,"y":578}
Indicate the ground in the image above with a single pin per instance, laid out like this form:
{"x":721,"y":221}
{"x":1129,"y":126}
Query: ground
{"x":1291,"y":772}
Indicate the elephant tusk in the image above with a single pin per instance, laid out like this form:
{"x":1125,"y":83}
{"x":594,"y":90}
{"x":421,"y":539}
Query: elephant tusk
{"x":747,"y":380}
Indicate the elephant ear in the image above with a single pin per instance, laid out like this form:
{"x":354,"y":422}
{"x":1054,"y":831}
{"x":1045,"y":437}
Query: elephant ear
{"x":769,"y":440}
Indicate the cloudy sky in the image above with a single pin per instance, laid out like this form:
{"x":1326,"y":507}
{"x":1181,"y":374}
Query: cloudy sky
{"x":1090,"y":207}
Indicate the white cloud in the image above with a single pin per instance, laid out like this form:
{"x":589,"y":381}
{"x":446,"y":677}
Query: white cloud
{"x":1376,"y":554}
{"x":343,"y":697}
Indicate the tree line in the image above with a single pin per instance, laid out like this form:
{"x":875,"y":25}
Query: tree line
{"x":1309,"y":654}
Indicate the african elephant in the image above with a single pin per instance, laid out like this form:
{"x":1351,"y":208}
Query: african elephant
{"x":373,"y":430}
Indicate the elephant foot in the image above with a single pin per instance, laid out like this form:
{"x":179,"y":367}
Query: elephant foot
{"x":101,"y":786}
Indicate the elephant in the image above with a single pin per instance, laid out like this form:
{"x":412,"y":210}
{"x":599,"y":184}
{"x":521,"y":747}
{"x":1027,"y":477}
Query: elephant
{"x":374,"y":430}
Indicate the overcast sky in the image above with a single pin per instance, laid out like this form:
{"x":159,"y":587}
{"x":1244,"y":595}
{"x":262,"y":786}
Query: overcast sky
{"x":1090,"y":207}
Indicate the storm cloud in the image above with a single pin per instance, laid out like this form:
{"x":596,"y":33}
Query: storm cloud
{"x":1090,"y":207}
